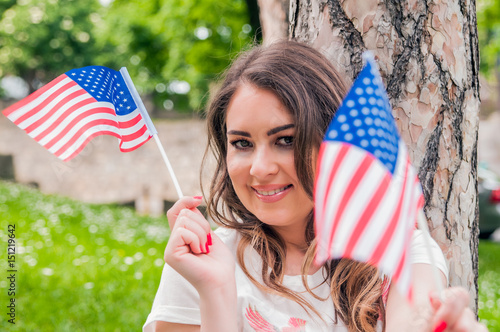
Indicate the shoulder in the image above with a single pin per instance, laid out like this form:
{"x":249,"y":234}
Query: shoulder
{"x":420,"y":253}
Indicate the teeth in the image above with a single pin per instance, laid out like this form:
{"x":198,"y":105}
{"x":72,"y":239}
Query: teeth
{"x":272,"y":192}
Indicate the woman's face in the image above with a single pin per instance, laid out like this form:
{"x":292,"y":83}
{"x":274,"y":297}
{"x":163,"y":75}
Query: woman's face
{"x":260,"y":158}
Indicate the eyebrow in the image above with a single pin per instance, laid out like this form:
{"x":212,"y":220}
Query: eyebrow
{"x":239,"y":133}
{"x":269,"y":133}
{"x":280,"y":128}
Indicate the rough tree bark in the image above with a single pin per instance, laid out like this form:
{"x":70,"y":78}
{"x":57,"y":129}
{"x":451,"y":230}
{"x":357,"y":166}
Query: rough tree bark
{"x":428,"y":55}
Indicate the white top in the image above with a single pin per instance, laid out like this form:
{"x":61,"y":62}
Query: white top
{"x":177,"y":301}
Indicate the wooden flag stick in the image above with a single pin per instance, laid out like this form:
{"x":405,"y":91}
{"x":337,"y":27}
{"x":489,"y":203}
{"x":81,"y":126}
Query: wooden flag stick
{"x":422,"y":224}
{"x":151,"y":127}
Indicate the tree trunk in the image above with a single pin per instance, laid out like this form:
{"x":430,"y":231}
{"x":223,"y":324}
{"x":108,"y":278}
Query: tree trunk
{"x":427,"y":52}
{"x":273,"y":20}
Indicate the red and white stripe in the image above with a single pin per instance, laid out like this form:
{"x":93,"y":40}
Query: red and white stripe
{"x":63,"y":118}
{"x":364,"y":213}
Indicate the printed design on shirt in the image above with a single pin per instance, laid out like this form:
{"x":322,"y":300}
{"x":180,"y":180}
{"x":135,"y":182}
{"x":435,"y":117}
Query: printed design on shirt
{"x":259,"y":324}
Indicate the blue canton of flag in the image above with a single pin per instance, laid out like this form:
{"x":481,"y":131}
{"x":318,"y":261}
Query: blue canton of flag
{"x":365,"y":119}
{"x":105,"y":84}
{"x":65,"y":114}
{"x":366,"y":193}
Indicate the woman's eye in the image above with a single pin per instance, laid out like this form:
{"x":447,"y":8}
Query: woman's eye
{"x":286,"y":140}
{"x":241,"y":144}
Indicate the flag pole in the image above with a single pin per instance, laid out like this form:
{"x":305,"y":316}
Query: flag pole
{"x":151,"y":127}
{"x":422,"y":225}
{"x":169,"y":166}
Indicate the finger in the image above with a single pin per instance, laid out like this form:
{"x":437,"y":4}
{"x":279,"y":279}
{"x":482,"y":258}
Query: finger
{"x":185,"y":220}
{"x":466,"y":322}
{"x":205,"y":225}
{"x":198,"y":218}
{"x":186,"y":202}
{"x":182,"y":242}
{"x":453,"y":303}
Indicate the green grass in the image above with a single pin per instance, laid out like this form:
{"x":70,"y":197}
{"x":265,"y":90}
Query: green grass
{"x":489,"y":284}
{"x":85,"y":267}
{"x":80,"y":267}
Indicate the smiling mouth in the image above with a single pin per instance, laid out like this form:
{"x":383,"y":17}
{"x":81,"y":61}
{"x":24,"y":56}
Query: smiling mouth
{"x":271,"y":192}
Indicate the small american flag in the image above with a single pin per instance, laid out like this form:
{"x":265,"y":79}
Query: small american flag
{"x":367,"y":194}
{"x":65,"y":114}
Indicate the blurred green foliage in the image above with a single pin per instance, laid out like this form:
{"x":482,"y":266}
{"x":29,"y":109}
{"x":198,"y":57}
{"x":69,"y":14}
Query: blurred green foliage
{"x":489,"y":285}
{"x":39,"y":42}
{"x":488,"y":23}
{"x":163,"y":43}
{"x":80,"y":267}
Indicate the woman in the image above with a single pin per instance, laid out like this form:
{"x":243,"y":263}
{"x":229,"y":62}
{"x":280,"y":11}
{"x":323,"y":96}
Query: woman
{"x":256,"y":272}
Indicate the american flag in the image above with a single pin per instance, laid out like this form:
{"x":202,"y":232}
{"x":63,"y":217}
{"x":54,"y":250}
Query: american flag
{"x":367,"y":194}
{"x":65,"y":114}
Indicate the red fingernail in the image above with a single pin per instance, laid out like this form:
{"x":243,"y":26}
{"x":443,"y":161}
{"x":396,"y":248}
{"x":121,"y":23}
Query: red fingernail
{"x":440,"y":327}
{"x":201,"y":248}
{"x":197,"y":197}
{"x":208,"y":250}
{"x":209,"y":239}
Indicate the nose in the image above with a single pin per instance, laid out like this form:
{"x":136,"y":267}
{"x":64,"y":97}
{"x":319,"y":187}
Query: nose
{"x":264,"y":163}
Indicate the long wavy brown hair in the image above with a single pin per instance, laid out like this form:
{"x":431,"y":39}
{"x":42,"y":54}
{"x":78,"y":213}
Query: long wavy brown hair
{"x":311,"y":90}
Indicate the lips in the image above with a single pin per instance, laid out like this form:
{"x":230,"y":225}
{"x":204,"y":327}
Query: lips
{"x":271,"y":193}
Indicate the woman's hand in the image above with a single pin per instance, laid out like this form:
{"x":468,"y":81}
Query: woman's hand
{"x":451,"y":312}
{"x":197,"y":254}
{"x":194,"y":251}
{"x":428,"y":313}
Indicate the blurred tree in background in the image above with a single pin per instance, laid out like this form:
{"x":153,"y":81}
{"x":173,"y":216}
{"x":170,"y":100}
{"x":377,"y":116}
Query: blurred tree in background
{"x":488,"y":21}
{"x":173,"y":49}
{"x":39,"y":42}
